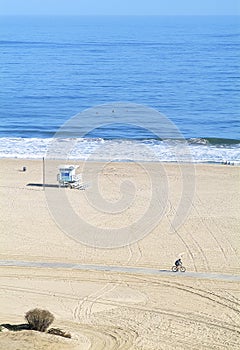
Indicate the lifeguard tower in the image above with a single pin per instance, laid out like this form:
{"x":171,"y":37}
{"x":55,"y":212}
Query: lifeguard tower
{"x":67,"y":176}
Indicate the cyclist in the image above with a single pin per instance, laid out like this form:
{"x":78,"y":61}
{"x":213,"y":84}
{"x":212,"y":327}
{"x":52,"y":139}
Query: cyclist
{"x":178,"y":262}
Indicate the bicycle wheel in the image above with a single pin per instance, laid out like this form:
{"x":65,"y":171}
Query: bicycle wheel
{"x":174,"y":268}
{"x":182,"y":269}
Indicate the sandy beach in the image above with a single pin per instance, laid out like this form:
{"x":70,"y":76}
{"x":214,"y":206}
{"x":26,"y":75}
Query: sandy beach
{"x":103,"y":309}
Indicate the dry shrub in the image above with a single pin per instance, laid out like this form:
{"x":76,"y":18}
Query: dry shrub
{"x":39,"y":320}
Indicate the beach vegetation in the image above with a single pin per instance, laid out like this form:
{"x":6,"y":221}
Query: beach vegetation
{"x":39,"y":320}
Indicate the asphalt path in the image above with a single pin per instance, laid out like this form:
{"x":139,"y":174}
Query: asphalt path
{"x":120,"y":269}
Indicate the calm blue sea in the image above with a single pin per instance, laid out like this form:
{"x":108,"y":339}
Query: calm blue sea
{"x":188,"y":68}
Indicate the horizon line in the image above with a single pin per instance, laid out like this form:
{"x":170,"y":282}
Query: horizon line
{"x":117,"y":15}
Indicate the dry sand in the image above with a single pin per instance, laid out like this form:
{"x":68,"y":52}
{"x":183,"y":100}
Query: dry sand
{"x":114,"y":310}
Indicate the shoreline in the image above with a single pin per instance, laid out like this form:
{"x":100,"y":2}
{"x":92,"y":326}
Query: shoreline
{"x":70,"y":161}
{"x":194,"y":150}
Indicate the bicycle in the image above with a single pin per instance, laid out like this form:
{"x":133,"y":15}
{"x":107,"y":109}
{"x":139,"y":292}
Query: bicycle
{"x":178,"y":268}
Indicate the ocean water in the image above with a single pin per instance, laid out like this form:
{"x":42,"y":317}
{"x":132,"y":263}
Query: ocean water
{"x":187,"y":68}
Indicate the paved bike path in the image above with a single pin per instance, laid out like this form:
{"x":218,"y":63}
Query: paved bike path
{"x":133,"y":270}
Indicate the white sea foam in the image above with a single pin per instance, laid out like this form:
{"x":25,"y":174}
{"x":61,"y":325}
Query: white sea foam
{"x":119,"y":150}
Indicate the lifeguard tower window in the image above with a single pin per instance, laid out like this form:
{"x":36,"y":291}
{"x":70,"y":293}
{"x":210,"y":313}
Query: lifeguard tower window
{"x":65,"y":176}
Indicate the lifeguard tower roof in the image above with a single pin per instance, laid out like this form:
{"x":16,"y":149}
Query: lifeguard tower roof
{"x":68,"y":167}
